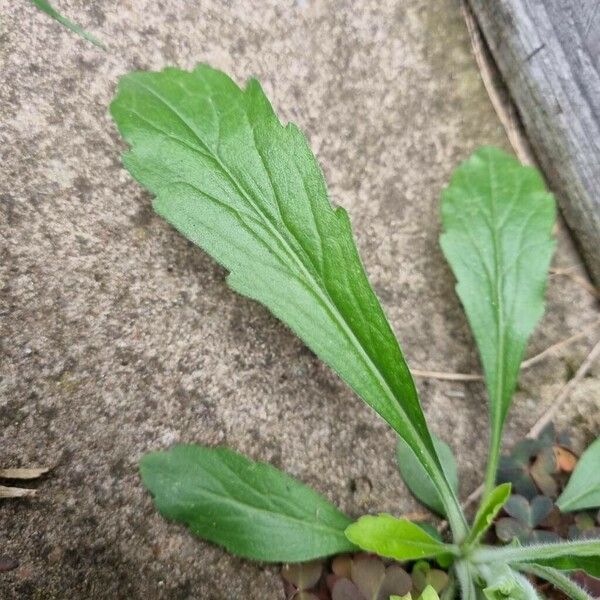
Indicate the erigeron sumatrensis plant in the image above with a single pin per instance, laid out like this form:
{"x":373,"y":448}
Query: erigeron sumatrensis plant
{"x":231,"y":178}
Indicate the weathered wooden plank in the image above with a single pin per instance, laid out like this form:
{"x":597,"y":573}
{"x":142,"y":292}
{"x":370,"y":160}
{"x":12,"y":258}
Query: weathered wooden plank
{"x":548,"y":52}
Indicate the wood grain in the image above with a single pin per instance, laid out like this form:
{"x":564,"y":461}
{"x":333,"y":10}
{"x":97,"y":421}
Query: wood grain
{"x":548,"y":52}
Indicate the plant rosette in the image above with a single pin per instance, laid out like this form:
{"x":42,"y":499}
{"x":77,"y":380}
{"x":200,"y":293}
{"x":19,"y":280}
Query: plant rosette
{"x":247,"y":190}
{"x":539,"y":471}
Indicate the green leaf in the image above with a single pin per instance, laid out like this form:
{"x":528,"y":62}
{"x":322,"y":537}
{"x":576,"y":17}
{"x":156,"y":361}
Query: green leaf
{"x":498,"y":220}
{"x":589,"y":564}
{"x":490,"y":506}
{"x":249,"y":191}
{"x":583,"y":489}
{"x":249,"y":507}
{"x":46,"y":7}
{"x":395,"y":538}
{"x":416,"y":478}
{"x":429,"y":593}
{"x":568,"y":555}
{"x":558,"y":580}
{"x":505,"y":584}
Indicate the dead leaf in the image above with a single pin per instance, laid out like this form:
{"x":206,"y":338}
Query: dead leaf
{"x":565,"y":459}
{"x":15,"y":492}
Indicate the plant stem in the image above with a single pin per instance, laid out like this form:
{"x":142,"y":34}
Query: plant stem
{"x":465,"y":580}
{"x":558,"y":579}
{"x":520,"y":554}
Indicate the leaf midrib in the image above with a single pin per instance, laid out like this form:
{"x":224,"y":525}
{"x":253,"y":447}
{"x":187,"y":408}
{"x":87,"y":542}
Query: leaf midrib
{"x":500,"y":336}
{"x":323,"y":295}
{"x":257,"y":509}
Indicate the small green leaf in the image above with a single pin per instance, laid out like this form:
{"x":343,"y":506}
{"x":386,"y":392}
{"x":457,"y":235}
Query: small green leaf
{"x":501,"y":584}
{"x":395,"y":538}
{"x":429,"y":593}
{"x":505,"y":584}
{"x":583,"y":489}
{"x":488,"y":510}
{"x":47,"y":8}
{"x":498,"y":221}
{"x":416,"y":478}
{"x":249,"y":507}
{"x":248,"y":190}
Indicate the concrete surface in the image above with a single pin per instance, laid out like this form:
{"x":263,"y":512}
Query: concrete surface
{"x":119,"y":337}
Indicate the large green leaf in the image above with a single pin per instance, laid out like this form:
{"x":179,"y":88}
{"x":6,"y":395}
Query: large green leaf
{"x":399,"y":539}
{"x":583,"y":489}
{"x":249,"y":507}
{"x":417,"y":479}
{"x":498,"y":220}
{"x":248,"y":190}
{"x":47,"y":8}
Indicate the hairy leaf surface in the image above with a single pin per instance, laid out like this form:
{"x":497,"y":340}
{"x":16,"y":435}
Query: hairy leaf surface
{"x":399,"y":539}
{"x":558,"y":579}
{"x":568,"y":555}
{"x":249,"y":191}
{"x":498,"y":220}
{"x":249,"y":507}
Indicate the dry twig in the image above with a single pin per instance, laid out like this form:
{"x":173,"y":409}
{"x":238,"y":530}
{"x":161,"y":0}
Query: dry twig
{"x":545,"y":419}
{"x":499,"y":97}
{"x":445,"y":376}
{"x":22,"y":473}
{"x":15,"y":492}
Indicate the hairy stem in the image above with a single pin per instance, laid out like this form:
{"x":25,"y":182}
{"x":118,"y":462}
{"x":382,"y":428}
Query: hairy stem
{"x":558,"y":579}
{"x":465,"y":580}
{"x":520,"y":554}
